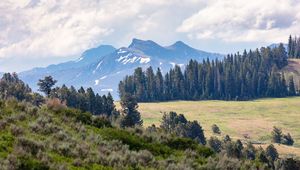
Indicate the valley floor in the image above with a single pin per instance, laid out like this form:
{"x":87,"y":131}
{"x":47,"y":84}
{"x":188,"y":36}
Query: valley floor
{"x":239,"y":119}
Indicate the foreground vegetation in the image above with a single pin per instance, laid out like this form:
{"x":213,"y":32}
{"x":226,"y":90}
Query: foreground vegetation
{"x":60,"y":132}
{"x":254,"y":119}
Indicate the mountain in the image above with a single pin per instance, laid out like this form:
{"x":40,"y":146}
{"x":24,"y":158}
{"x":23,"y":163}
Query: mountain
{"x":274,"y":45}
{"x":103,"y":67}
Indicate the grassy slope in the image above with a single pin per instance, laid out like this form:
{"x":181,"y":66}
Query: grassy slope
{"x":293,"y":69}
{"x":254,"y":118}
{"x":55,"y":137}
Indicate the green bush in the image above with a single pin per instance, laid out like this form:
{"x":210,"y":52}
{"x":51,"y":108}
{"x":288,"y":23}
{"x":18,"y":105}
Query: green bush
{"x":135,"y":142}
{"x":84,"y":117}
{"x":31,"y":164}
{"x":101,"y":122}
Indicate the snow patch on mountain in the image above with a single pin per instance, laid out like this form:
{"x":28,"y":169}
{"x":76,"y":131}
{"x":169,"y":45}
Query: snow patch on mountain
{"x":98,"y":65}
{"x":104,"y":77}
{"x":107,"y":90}
{"x":144,"y":60}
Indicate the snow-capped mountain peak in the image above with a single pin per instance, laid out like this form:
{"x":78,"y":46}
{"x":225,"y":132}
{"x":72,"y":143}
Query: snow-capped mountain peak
{"x":103,"y":67}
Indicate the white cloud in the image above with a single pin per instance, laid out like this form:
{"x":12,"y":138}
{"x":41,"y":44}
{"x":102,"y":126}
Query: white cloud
{"x":43,"y":31}
{"x":239,"y":20}
{"x":38,"y":29}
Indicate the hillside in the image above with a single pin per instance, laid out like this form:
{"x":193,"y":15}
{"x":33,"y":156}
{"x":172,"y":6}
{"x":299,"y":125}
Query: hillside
{"x":293,"y":69}
{"x":254,"y":119}
{"x":55,"y":137}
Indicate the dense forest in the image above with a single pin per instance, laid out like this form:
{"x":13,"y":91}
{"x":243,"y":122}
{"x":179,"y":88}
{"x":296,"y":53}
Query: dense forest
{"x":294,"y":47}
{"x":250,"y":75}
{"x":58,"y":131}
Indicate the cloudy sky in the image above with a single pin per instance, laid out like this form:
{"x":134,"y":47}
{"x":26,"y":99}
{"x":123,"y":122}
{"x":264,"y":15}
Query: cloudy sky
{"x":40,"y":32}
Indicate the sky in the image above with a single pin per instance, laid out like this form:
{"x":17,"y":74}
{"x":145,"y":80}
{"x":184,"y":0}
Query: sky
{"x":36,"y":33}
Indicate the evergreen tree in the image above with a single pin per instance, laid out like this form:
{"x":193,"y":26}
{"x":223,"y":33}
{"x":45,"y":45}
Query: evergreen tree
{"x":276,"y":135}
{"x":271,"y":152}
{"x":129,"y":109}
{"x":46,"y":84}
{"x":291,"y":87}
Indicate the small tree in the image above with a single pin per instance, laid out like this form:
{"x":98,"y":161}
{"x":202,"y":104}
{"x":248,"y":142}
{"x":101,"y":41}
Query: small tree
{"x":227,"y":138}
{"x":276,"y":135}
{"x":287,"y":140}
{"x":132,"y":116}
{"x":215,"y":129}
{"x":271,"y":152}
{"x":46,"y":84}
{"x":215,"y":144}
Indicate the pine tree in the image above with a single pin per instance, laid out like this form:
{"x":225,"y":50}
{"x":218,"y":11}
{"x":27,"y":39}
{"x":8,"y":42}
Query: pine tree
{"x":46,"y":84}
{"x":159,"y":84}
{"x":151,"y":84}
{"x":132,"y":116}
{"x":271,"y":152}
{"x":290,"y":46}
{"x":291,"y":87}
{"x":276,"y":135}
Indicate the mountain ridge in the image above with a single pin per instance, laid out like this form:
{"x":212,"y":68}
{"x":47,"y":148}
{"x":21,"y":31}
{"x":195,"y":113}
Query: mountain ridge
{"x":104,"y":66}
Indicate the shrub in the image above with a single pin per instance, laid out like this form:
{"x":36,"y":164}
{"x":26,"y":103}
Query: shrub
{"x":101,"y":122}
{"x":215,"y":129}
{"x":271,"y":152}
{"x":32,"y":164}
{"x":287,"y":140}
{"x":30,"y":146}
{"x":181,"y":143}
{"x":3,"y":124}
{"x":55,"y":104}
{"x":134,"y":142}
{"x":215,"y":144}
{"x":16,"y":131}
{"x":227,"y":138}
{"x":84,"y":117}
{"x":276,"y":135}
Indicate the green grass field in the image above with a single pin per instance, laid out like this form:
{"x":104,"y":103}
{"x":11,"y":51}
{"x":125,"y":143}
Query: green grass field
{"x":252,"y":118}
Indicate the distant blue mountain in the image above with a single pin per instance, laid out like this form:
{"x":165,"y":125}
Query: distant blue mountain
{"x":277,"y":44}
{"x":103,"y":67}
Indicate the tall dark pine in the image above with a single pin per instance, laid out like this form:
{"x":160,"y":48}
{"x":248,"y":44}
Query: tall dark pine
{"x":46,"y":84}
{"x":291,"y":87}
{"x":132,"y":116}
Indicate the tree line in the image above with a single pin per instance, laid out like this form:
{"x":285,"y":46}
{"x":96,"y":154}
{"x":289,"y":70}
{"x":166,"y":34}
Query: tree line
{"x":294,"y":47}
{"x":246,"y":76}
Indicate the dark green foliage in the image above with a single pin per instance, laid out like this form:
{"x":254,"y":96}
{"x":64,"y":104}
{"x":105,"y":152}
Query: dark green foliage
{"x":294,"y":47}
{"x":234,"y":149}
{"x":279,"y":137}
{"x":84,"y":117}
{"x":131,"y":116}
{"x":86,"y":100}
{"x":287,"y":140}
{"x":215,"y":129}
{"x":238,"y":77}
{"x":271,"y":152}
{"x":291,"y":86}
{"x":135,"y":142}
{"x":46,"y":84}
{"x":227,"y":138}
{"x":215,"y":144}
{"x":101,"y":122}
{"x":12,"y":87}
{"x":27,"y":163}
{"x":276,"y":135}
{"x":289,"y":164}
{"x":250,"y":152}
{"x":178,"y":125}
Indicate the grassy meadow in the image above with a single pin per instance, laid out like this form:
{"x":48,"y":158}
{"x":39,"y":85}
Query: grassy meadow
{"x":254,"y":119}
